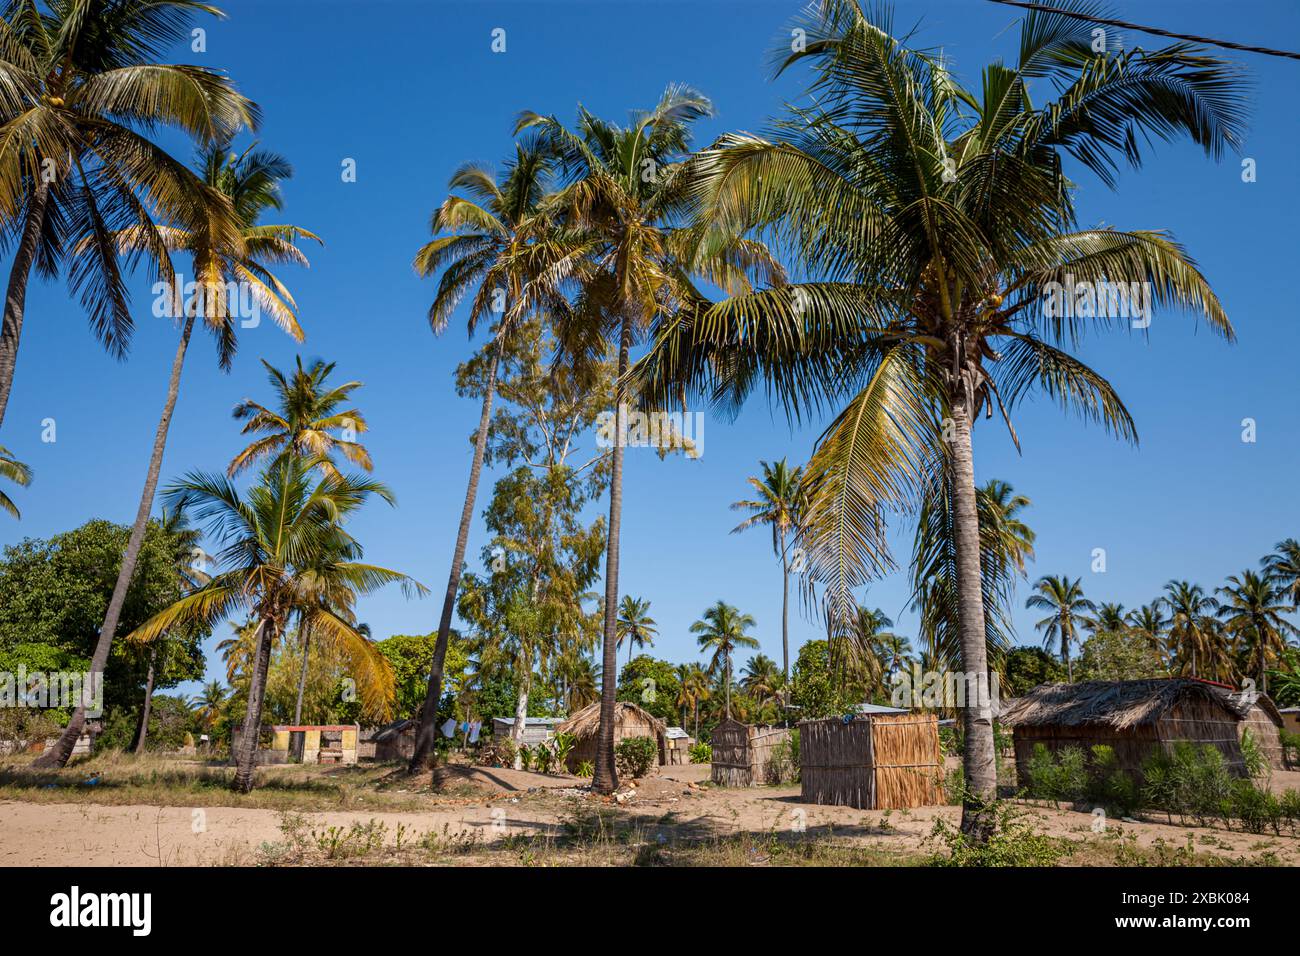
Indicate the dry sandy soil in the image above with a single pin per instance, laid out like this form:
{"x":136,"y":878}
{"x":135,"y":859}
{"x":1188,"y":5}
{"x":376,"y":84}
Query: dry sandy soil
{"x":500,"y":805}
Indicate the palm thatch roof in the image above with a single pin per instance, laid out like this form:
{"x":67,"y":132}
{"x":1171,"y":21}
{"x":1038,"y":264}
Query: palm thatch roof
{"x":1241,"y":702}
{"x":1119,"y":704}
{"x":587,"y":721}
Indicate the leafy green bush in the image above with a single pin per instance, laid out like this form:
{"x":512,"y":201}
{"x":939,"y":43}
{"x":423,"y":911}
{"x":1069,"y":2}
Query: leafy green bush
{"x":1189,"y":780}
{"x":1290,"y":748}
{"x":586,"y":769}
{"x":1289,"y":804}
{"x":635,"y":756}
{"x":1256,"y":809}
{"x":1110,"y":785}
{"x":562,"y":744}
{"x":1256,"y":762}
{"x":1059,"y":777}
{"x":950,"y":741}
{"x":1014,"y":842}
{"x":701,"y":752}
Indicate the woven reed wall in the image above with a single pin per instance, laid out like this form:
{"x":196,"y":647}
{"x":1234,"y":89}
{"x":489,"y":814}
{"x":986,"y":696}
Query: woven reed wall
{"x":742,"y":753}
{"x":882,"y":762}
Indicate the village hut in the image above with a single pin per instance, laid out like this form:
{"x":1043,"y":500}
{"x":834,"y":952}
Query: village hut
{"x":537,"y":730}
{"x":742,"y":753}
{"x":677,"y":746}
{"x":1290,"y":719}
{"x":395,"y":741}
{"x":1135,"y":718}
{"x":1261,"y":717}
{"x":871,"y":761}
{"x":629,"y":721}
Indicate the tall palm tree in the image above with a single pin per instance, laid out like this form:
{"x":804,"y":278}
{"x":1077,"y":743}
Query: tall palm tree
{"x":209,"y":703}
{"x":937,"y":225}
{"x":305,"y":420}
{"x":13,"y":470}
{"x":1196,"y":641}
{"x":722,"y":630}
{"x":762,"y":681}
{"x":1064,"y":598}
{"x":693,"y":690}
{"x":1251,"y":610}
{"x":581,"y":676}
{"x":84,"y":92}
{"x":483,"y":238}
{"x":249,"y":185}
{"x":778,"y":504}
{"x":1108,"y":618}
{"x":635,"y":625}
{"x":238,"y":651}
{"x":274,"y":538}
{"x":1283,"y":569}
{"x":613,"y":236}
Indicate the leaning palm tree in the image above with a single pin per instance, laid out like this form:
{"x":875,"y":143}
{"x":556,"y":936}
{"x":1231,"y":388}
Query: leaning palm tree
{"x":1064,"y":599}
{"x":1283,"y":569}
{"x":938,"y":229}
{"x":635,"y":625}
{"x":1197,"y":643}
{"x":481,"y":245}
{"x":721,"y":631}
{"x":306,"y":422}
{"x":1251,"y":610}
{"x":82,"y":93}
{"x":778,"y":504}
{"x":249,"y":185}
{"x":612,"y":236}
{"x":13,"y":470}
{"x":274,"y":538}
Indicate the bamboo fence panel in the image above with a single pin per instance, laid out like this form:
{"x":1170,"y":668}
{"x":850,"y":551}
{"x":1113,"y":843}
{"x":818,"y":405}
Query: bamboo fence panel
{"x":884,"y":761}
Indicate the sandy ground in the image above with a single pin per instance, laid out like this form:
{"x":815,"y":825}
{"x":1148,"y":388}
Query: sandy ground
{"x":514,"y":803}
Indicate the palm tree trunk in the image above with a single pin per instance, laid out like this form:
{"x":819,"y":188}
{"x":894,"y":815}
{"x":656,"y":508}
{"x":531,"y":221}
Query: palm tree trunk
{"x":785,"y":611}
{"x":424,"y":737}
{"x":16,"y":293}
{"x":606,"y":776}
{"x":143,"y":731}
{"x":977,"y":717}
{"x":521,"y":719}
{"x":302,"y":673}
{"x":727,"y":688}
{"x":1065,"y":653}
{"x":59,"y":754}
{"x":246,"y":751}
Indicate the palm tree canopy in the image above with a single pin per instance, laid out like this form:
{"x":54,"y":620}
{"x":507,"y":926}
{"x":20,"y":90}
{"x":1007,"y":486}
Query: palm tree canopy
{"x":778,"y":501}
{"x":11,"y":469}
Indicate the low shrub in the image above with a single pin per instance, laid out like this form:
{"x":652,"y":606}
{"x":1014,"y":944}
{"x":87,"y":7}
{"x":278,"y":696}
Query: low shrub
{"x":635,"y":756}
{"x":1014,"y":842}
{"x":701,"y":752}
{"x":783,"y":764}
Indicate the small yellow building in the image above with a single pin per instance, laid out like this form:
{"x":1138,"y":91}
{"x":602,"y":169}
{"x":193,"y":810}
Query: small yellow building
{"x":316,"y":743}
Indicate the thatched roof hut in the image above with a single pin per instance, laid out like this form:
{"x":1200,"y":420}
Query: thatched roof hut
{"x":629,"y":721}
{"x":1261,"y":717}
{"x":742,"y":753}
{"x":872,"y":762}
{"x":1133,"y":717}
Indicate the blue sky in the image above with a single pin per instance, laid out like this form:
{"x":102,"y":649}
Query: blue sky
{"x":411,"y":90}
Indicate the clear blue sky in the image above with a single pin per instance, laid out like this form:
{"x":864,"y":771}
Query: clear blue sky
{"x":410,"y":90}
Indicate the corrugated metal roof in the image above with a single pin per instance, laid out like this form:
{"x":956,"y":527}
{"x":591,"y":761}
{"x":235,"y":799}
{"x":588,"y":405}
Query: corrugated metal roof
{"x":531,"y":721}
{"x":675,"y":733}
{"x":880,"y":709}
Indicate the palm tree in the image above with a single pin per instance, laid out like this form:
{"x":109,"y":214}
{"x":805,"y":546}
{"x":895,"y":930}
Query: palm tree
{"x":184,"y":540}
{"x":694,"y":683}
{"x":275,"y":538}
{"x":1064,"y":598}
{"x":722,"y":630}
{"x":304,"y":423}
{"x":84,"y":92}
{"x":239,"y":650}
{"x":13,"y":470}
{"x":484,"y":237}
{"x":778,"y":504}
{"x":250,"y":185}
{"x":1196,"y":641}
{"x":209,"y":703}
{"x":635,"y":625}
{"x":1107,"y":619}
{"x":937,"y":224}
{"x":1150,"y":623}
{"x":1006,"y":545}
{"x":762,"y":680}
{"x":855,"y":649}
{"x":1283,"y":569}
{"x":1252,"y":610}
{"x":581,"y":677}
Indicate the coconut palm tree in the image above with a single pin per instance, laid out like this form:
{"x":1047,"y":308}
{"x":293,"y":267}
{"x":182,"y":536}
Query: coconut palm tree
{"x":1107,"y":619}
{"x":1251,"y":610}
{"x":210,"y":703}
{"x":581,"y":676}
{"x":1197,"y":643}
{"x":1150,"y":623}
{"x":722,"y":630}
{"x":762,"y":681}
{"x":635,"y":625}
{"x":305,"y":421}
{"x":84,"y":92}
{"x":249,"y":185}
{"x":483,"y":238}
{"x":274,"y":540}
{"x":13,"y":470}
{"x":778,"y":504}
{"x":1064,"y":598}
{"x":1283,"y":569}
{"x":938,"y":228}
{"x":612,"y":237}
{"x":694,"y":690}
